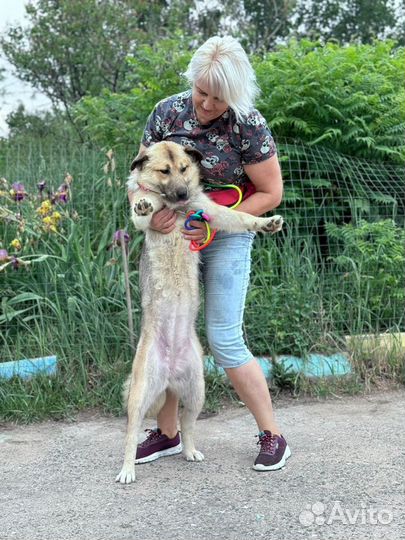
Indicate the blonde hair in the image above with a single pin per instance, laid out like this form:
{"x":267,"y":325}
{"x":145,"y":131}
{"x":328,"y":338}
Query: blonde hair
{"x":223,"y":65}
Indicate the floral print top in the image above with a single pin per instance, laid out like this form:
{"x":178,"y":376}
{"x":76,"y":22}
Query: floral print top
{"x":226,"y":144}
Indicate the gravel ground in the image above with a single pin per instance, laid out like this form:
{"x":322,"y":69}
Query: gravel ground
{"x":345,"y":478}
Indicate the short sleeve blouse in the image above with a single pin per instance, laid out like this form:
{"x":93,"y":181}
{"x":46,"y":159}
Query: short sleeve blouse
{"x":226,"y":143}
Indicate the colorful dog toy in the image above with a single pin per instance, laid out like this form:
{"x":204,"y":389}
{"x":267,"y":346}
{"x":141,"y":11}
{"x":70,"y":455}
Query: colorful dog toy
{"x":200,"y":215}
{"x":235,"y":188}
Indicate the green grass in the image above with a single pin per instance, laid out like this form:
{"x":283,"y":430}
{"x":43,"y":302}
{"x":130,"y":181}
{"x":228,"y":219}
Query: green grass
{"x":71,"y":301}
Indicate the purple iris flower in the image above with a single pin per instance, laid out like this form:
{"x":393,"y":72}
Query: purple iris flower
{"x":19,"y":191}
{"x":41,"y":185}
{"x":3,"y":255}
{"x":62,"y":195}
{"x":119,"y":236}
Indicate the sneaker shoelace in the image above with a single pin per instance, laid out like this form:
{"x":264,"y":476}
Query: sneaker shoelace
{"x":268,"y":443}
{"x":153,"y":435}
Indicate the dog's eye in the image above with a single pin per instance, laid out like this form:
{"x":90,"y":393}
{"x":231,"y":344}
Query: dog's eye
{"x":183,"y":169}
{"x":165,"y":171}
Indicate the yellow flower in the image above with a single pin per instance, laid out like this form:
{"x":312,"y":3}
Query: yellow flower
{"x":45,"y":208}
{"x":16,"y":244}
{"x":50,"y":222}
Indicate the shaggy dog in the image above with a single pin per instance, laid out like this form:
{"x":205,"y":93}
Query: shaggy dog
{"x":169,"y":354}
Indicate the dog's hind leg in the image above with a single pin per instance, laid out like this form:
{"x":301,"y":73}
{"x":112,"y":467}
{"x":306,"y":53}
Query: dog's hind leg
{"x":143,"y":392}
{"x":192,"y":396}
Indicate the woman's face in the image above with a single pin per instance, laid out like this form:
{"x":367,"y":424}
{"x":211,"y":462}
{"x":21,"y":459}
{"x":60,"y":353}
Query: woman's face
{"x":207,"y":105}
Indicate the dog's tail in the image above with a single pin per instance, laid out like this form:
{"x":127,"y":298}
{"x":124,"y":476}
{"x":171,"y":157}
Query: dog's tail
{"x":153,"y":409}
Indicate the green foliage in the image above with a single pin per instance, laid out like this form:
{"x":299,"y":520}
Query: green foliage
{"x":285,"y":378}
{"x":298,"y":303}
{"x":46,"y":125}
{"x":70,"y":301}
{"x":265,"y":21}
{"x":321,"y":186}
{"x":114,"y":120}
{"x":350,"y":99}
{"x":217,"y":388}
{"x":71,"y":49}
{"x":348,"y":21}
{"x":284,"y":309}
{"x":310,"y":286}
{"x":370,"y":268}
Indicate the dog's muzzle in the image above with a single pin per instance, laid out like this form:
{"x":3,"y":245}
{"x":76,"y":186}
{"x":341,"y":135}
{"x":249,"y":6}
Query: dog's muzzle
{"x":180,"y":195}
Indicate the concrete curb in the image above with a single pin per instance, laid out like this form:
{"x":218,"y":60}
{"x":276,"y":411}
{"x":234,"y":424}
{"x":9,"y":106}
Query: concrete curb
{"x":27,"y":368}
{"x":316,"y":365}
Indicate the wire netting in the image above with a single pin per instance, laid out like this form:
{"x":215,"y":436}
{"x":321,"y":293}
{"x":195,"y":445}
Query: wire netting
{"x":336,"y":269}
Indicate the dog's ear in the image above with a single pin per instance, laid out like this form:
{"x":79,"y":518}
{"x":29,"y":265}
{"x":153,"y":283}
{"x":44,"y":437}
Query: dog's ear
{"x":195,"y":155}
{"x":139,"y":161}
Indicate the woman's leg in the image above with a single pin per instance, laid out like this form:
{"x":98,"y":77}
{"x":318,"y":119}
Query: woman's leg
{"x":251,"y":386}
{"x":226,"y":273}
{"x":167,"y":416}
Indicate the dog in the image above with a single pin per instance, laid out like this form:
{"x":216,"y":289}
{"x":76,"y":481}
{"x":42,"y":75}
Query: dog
{"x":169,"y":354}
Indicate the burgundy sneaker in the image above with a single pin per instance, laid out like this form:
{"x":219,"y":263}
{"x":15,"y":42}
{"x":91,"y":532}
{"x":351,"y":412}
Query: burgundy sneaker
{"x":157,"y":445}
{"x":273,"y":453}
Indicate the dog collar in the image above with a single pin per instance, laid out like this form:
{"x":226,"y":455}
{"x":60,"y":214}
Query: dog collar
{"x":145,"y":188}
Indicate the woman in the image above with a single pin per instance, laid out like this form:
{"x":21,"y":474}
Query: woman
{"x":218,"y":118}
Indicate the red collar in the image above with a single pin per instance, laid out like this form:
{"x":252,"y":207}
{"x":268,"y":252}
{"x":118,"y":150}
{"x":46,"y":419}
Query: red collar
{"x":145,"y":188}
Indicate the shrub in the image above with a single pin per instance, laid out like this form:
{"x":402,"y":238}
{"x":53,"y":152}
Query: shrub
{"x":369,"y":273}
{"x":350,"y":98}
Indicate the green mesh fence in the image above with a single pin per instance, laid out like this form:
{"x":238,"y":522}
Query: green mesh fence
{"x":336,"y":269}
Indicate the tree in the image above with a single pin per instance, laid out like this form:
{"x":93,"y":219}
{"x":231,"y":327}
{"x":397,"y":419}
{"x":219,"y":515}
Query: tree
{"x":76,"y":48}
{"x":348,"y":21}
{"x":268,"y":20}
{"x":2,"y":90}
{"x":257,"y":23}
{"x":37,"y":125}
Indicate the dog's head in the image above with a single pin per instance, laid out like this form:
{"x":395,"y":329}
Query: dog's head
{"x":170,"y":169}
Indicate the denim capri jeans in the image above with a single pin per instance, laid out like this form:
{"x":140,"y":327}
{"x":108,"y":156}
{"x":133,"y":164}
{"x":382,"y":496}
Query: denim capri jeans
{"x":225,"y":270}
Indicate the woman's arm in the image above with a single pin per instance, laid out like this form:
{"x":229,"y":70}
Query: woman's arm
{"x":266,"y":177}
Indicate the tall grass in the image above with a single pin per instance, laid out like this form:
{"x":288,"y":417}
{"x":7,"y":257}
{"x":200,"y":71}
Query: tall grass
{"x":71,"y":302}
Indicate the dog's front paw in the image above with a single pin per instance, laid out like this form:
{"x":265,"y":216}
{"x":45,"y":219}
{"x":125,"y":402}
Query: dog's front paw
{"x":193,"y":455}
{"x":143,"y":207}
{"x":127,"y":475}
{"x":273,"y":225}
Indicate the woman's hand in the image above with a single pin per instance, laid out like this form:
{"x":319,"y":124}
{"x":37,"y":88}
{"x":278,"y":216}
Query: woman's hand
{"x":198,"y":234}
{"x":164,"y":221}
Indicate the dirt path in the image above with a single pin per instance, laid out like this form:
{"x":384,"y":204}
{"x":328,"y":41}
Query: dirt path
{"x":345,"y":479}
